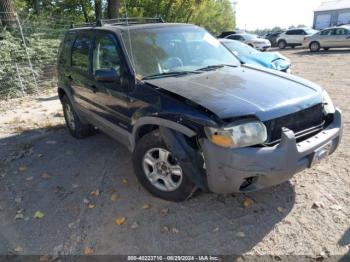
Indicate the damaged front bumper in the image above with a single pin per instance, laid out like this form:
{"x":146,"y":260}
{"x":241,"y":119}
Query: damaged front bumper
{"x":253,"y":168}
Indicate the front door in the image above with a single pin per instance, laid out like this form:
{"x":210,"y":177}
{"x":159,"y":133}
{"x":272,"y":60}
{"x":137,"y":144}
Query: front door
{"x":111,"y":98}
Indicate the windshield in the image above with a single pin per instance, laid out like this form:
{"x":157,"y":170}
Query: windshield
{"x":240,"y":48}
{"x":174,"y":49}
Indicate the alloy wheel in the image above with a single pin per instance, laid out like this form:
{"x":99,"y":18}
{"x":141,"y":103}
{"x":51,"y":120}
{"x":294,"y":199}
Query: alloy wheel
{"x":70,"y":116}
{"x":162,"y":170}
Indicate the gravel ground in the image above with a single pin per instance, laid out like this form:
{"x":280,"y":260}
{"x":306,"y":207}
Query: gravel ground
{"x":59,"y":195}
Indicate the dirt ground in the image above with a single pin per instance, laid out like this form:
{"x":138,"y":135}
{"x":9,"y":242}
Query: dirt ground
{"x":59,"y":195}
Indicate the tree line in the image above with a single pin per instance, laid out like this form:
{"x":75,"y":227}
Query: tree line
{"x":215,"y":15}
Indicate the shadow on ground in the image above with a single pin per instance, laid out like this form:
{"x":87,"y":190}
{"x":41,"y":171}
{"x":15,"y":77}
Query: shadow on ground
{"x":345,"y":241}
{"x":74,"y":219}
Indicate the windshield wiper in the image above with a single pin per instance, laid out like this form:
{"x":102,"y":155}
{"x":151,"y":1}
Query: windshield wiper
{"x":214,"y":67}
{"x":170,"y":74}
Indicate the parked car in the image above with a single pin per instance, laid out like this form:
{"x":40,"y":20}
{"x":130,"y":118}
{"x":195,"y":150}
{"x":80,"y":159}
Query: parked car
{"x":294,"y":37}
{"x":248,"y":55}
{"x":272,"y":37}
{"x":329,"y":38}
{"x":190,"y":113}
{"x":251,"y":40}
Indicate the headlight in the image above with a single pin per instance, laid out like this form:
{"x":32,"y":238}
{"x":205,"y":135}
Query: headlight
{"x":328,"y":106}
{"x":240,"y":134}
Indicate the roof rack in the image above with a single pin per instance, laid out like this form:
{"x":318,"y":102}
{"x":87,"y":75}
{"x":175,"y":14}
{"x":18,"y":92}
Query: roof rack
{"x":122,"y":21}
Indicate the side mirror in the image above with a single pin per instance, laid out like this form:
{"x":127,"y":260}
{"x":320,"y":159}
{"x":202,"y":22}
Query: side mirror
{"x":107,"y":75}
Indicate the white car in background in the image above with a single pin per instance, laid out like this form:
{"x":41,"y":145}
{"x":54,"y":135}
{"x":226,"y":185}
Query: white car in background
{"x":294,"y":37}
{"x":251,"y":40}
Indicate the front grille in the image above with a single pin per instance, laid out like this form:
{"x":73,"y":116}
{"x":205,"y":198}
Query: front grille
{"x":303,"y":123}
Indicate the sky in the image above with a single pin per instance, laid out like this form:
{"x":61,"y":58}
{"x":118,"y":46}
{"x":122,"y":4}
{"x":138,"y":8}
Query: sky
{"x":261,"y":14}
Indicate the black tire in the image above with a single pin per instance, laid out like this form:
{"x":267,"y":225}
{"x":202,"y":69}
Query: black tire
{"x":79,"y":129}
{"x":315,"y":46}
{"x":148,"y":142}
{"x":282,"y":44}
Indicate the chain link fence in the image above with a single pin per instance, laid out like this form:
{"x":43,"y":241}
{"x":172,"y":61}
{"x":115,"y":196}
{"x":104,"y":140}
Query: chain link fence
{"x":28,"y":53}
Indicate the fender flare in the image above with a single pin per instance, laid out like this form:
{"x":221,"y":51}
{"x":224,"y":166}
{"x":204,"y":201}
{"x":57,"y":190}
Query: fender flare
{"x":161,"y":122}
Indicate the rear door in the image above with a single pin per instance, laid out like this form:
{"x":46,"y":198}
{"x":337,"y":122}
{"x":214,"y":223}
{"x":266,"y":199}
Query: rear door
{"x":80,"y":74}
{"x":342,"y":36}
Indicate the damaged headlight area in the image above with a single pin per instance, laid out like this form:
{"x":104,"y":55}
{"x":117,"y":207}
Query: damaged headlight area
{"x":239,"y":134}
{"x":328,"y":106}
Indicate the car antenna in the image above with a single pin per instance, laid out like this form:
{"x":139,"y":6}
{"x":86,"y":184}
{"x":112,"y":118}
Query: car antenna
{"x":130,"y":45}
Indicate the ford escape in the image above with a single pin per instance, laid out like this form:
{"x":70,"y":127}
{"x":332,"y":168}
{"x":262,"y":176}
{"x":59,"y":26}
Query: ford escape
{"x":190,"y":113}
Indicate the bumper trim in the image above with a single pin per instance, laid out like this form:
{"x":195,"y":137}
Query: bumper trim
{"x":228,"y":169}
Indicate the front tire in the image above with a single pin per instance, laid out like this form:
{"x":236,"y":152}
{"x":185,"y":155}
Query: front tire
{"x":315,"y":47}
{"x":158,"y":171}
{"x":76,"y":128}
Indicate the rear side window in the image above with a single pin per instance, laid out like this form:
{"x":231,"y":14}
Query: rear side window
{"x":340,"y":31}
{"x":290,"y":32}
{"x":80,"y":53}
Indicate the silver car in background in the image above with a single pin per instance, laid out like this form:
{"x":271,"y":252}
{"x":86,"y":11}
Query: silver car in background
{"x":335,"y":37}
{"x":251,"y":40}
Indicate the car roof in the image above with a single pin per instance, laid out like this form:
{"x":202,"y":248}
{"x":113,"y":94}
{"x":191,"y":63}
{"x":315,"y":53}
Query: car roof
{"x":129,"y":27}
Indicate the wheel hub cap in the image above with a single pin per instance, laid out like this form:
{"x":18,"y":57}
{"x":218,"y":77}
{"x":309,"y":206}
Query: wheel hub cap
{"x":162,"y":170}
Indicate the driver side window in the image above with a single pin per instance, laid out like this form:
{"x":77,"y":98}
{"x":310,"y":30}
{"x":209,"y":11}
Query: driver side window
{"x":106,"y":55}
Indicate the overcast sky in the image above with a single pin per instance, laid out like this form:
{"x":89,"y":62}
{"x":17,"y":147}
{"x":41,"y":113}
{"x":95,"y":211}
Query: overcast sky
{"x":260,"y":14}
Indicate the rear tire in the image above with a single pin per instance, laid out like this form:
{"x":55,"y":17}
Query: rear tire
{"x":282,"y":44}
{"x":76,"y":128}
{"x":158,"y":171}
{"x":315,"y":47}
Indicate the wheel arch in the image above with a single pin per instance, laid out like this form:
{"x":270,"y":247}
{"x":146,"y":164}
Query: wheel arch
{"x":315,"y":41}
{"x":147,"y":124}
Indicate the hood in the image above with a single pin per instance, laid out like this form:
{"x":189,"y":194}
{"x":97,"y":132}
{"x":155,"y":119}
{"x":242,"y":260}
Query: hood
{"x":247,"y":90}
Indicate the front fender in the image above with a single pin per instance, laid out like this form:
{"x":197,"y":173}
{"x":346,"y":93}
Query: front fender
{"x":161,"y":122}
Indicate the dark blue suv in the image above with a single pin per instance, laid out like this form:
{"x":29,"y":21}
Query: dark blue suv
{"x":190,"y":113}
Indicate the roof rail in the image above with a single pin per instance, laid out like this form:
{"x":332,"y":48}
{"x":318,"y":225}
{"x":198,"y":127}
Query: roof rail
{"x":122,"y":21}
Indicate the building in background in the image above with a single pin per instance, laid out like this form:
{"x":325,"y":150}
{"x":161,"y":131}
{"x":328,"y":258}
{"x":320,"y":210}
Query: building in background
{"x":331,"y":13}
